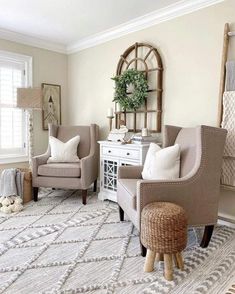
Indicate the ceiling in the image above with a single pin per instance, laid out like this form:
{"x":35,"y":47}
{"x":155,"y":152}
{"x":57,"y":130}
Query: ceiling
{"x":68,"y":22}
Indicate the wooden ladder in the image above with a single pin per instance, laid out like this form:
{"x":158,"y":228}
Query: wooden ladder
{"x":227,"y":35}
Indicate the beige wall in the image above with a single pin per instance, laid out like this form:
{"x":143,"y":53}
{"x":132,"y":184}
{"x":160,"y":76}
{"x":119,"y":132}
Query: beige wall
{"x":191,"y":48}
{"x":49,"y":67}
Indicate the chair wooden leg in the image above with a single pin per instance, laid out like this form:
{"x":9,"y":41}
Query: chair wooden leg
{"x":143,"y":249}
{"x":149,"y":261}
{"x":121,"y":214}
{"x":35,"y":194}
{"x":95,"y":186}
{"x":168,"y":273}
{"x":207,"y":236}
{"x":84,"y":196}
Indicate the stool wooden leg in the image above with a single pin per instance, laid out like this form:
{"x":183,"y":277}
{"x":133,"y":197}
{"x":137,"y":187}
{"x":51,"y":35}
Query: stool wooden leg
{"x":175,"y":260}
{"x":168,"y":267}
{"x":159,"y":257}
{"x":180,"y":261}
{"x":149,"y":261}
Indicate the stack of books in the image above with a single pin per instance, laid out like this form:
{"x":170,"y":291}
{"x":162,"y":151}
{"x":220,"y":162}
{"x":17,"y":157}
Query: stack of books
{"x":138,"y":139}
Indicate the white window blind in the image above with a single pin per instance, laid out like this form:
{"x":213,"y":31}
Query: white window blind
{"x":13,"y":128}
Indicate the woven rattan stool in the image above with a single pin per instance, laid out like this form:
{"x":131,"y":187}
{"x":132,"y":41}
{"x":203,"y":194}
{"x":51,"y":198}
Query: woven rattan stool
{"x":164,"y":234}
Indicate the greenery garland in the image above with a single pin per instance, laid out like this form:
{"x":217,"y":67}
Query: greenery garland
{"x":134,"y":100}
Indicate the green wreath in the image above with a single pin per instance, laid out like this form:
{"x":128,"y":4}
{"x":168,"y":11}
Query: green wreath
{"x":134,"y":100}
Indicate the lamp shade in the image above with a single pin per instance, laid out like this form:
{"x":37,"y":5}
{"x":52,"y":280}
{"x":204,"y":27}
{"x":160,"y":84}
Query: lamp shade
{"x":29,"y":98}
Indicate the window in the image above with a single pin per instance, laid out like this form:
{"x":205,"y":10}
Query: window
{"x":15,"y":72}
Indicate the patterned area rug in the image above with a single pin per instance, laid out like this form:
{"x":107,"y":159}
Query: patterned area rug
{"x":58,"y":245}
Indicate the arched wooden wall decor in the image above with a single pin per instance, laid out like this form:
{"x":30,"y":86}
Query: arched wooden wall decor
{"x":145,"y":58}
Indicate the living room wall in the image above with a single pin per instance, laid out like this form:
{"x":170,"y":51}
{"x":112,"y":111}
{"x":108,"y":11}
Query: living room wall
{"x":191,"y":48}
{"x":49,"y":67}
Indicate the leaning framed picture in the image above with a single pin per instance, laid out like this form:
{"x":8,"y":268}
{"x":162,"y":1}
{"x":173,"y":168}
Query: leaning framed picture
{"x":51,"y":105}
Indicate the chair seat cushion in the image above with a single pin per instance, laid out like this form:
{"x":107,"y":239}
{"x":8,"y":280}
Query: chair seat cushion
{"x":127,"y":189}
{"x":63,"y":170}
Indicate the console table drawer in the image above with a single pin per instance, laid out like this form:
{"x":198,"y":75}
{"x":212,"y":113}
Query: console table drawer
{"x":111,"y":151}
{"x":120,"y":152}
{"x":132,"y":154}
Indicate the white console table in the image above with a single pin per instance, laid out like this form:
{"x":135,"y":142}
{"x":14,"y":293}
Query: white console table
{"x":113,"y":155}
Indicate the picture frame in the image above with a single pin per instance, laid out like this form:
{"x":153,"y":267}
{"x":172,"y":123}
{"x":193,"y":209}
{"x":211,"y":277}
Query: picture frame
{"x":51,"y":105}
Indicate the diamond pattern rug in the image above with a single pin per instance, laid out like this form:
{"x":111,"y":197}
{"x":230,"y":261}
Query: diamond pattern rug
{"x":58,"y":245}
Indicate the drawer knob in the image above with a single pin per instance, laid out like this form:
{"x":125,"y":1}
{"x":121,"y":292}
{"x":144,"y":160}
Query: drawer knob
{"x":128,"y":153}
{"x":109,"y":151}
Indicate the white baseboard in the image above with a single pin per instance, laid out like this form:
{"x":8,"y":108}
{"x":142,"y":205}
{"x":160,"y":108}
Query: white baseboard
{"x":226,"y":222}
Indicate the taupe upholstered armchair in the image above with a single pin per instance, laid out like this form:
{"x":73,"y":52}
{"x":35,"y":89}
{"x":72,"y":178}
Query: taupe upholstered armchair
{"x":197,"y":189}
{"x":69,"y":175}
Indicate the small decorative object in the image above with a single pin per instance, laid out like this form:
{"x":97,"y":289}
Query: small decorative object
{"x":51,"y":105}
{"x":118,"y":135}
{"x":144,"y":132}
{"x":110,"y":112}
{"x":146,"y":139}
{"x":11,"y":204}
{"x":118,"y":107}
{"x":110,"y":117}
{"x":118,"y":114}
{"x":137,"y":80}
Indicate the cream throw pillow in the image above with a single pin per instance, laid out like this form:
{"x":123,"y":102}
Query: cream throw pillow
{"x":162,"y":164}
{"x":63,"y":152}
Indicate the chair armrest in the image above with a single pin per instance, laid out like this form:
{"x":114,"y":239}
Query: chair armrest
{"x":185,"y":192}
{"x":89,"y":170}
{"x":130,"y":172}
{"x":39,"y":160}
{"x":158,"y":190}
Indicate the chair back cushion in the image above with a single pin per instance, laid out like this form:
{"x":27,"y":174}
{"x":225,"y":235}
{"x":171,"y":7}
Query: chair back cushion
{"x":162,"y":164}
{"x":65,"y":133}
{"x":188,"y":140}
{"x":64,"y":152}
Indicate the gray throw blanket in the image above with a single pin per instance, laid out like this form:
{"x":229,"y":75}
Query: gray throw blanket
{"x":11,"y":183}
{"x":230,"y":76}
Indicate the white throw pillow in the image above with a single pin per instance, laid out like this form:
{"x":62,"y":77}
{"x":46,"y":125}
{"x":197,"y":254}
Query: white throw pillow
{"x":63,"y":152}
{"x":162,"y":164}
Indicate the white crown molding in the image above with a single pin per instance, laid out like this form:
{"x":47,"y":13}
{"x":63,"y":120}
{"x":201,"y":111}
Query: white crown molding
{"x":32,"y":41}
{"x":172,"y":11}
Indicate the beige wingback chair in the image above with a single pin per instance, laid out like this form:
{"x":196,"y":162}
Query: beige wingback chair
{"x":197,"y":189}
{"x":69,"y":175}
